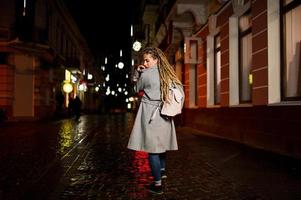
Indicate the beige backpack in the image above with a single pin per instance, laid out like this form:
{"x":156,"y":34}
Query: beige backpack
{"x":176,"y":101}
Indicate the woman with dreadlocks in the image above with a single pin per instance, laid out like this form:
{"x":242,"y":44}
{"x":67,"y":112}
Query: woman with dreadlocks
{"x":152,"y":132}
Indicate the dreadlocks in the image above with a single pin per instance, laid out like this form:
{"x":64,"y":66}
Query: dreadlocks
{"x":166,"y":71}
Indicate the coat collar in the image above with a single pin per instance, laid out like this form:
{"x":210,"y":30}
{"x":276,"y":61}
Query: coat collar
{"x":150,"y":68}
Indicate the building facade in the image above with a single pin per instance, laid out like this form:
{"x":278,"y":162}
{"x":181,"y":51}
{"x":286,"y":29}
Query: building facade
{"x":240,"y":64}
{"x":40,"y":44}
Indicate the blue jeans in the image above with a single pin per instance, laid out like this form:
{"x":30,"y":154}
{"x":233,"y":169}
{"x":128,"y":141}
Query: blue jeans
{"x":157,"y":162}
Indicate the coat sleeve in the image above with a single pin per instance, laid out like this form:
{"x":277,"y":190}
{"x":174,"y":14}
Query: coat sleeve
{"x":139,"y":84}
{"x":136,"y":76}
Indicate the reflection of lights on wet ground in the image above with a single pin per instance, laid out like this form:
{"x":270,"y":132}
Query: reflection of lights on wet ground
{"x":66,"y":135}
{"x":141,"y":172}
{"x":70,"y":133}
{"x":141,"y":162}
{"x":81,"y":140}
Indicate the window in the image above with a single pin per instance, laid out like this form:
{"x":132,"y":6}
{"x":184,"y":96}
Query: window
{"x":245,"y":58}
{"x":291,"y":42}
{"x":3,"y":57}
{"x":191,"y":56}
{"x":217,"y":69}
{"x":193,"y":84}
{"x":179,"y":62}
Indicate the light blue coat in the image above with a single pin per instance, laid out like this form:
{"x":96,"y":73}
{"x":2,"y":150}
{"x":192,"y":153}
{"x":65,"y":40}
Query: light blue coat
{"x":157,"y":135}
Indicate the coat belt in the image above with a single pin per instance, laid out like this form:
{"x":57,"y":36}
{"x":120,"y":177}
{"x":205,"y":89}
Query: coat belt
{"x":155,"y":110}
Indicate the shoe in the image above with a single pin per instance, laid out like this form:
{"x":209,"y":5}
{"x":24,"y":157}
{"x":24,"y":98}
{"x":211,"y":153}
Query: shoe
{"x":156,"y":189}
{"x":163,"y":174}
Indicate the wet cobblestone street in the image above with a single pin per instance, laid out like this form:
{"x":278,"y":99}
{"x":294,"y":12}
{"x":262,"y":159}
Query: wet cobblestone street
{"x":89,"y":160}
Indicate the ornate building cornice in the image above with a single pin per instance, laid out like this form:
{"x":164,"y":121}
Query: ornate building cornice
{"x":240,"y":6}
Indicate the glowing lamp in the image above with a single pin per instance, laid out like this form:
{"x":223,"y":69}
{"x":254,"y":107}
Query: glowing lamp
{"x":120,"y":65}
{"x":250,"y":79}
{"x":90,"y":76}
{"x":137,"y":45}
{"x":67,"y":87}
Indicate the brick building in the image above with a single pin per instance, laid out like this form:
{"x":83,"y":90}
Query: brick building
{"x":39,"y":41}
{"x":240,"y":65}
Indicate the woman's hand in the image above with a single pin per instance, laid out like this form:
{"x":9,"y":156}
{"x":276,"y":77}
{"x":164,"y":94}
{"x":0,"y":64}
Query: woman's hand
{"x":137,"y":72}
{"x":140,"y":68}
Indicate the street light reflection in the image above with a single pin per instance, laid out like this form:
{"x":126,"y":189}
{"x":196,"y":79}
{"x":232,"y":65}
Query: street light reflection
{"x":65,"y":136}
{"x":70,"y":133}
{"x":141,"y":172}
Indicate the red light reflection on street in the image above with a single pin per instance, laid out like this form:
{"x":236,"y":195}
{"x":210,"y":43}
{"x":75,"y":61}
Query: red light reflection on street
{"x":141,"y":162}
{"x":141,"y":172}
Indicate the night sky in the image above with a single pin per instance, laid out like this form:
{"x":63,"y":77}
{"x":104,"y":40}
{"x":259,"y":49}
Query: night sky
{"x":106,"y":27}
{"x":104,"y":24}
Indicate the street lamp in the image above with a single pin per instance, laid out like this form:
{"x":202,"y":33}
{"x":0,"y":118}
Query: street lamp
{"x":137,"y":45}
{"x":67,"y":87}
{"x":120,"y":65}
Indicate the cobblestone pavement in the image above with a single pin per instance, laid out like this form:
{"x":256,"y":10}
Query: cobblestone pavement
{"x":29,"y":150}
{"x":89,"y":160}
